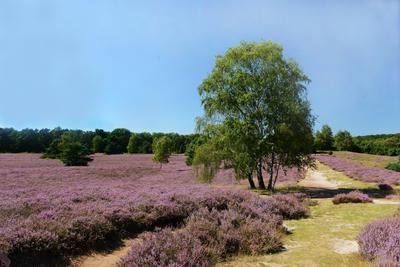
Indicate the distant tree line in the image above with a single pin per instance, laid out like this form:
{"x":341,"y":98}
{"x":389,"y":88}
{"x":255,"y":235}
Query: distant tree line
{"x":381,"y":144}
{"x":117,"y":141}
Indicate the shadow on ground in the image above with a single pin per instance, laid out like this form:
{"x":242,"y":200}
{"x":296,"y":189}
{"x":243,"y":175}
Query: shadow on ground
{"x":329,"y":193}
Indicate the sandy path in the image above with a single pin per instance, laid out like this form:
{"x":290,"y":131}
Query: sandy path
{"x":387,"y":202}
{"x":316,"y":179}
{"x":104,"y":260}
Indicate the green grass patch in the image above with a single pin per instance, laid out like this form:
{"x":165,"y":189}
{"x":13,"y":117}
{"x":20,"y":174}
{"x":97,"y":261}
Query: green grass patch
{"x":313,"y":240}
{"x":345,"y":181}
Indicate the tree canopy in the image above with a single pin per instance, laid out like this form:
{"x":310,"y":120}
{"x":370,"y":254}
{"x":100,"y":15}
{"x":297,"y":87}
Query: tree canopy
{"x":258,"y":100}
{"x":162,"y":149}
{"x":324,"y":138}
{"x":344,"y":141}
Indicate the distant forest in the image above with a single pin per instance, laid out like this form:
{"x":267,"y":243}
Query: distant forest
{"x":98,"y":141}
{"x":379,"y":144}
{"x":116,"y":141}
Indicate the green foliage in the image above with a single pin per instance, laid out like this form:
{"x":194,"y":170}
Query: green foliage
{"x":144,"y":143}
{"x":72,"y":152}
{"x":344,"y":141}
{"x":191,"y":148}
{"x":259,"y":99}
{"x":53,"y":151}
{"x":38,"y":141}
{"x":162,"y":149}
{"x":133,"y":144}
{"x":206,"y":161}
{"x":383,"y":144}
{"x":98,"y":144}
{"x":395,"y":166}
{"x":117,"y":141}
{"x":324,"y":138}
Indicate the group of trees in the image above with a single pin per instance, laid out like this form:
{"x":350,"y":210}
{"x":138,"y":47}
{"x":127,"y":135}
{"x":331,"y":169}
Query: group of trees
{"x":324,"y":140}
{"x":385,"y":144}
{"x":73,"y":147}
{"x":382,"y":144}
{"x":99,"y":141}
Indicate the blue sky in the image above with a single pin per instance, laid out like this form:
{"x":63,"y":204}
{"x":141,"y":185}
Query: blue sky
{"x":137,"y":64}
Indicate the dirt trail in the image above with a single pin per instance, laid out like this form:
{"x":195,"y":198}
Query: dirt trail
{"x":316,"y":179}
{"x":104,"y":260}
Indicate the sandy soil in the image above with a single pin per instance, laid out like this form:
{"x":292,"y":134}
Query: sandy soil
{"x":342,"y":246}
{"x":387,"y":202}
{"x":315,"y":179}
{"x":104,"y":260}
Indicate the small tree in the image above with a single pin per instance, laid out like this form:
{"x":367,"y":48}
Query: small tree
{"x":73,"y":153}
{"x":133,"y":144}
{"x":98,"y":144}
{"x":344,"y":141}
{"x":162,"y":150}
{"x":53,"y":151}
{"x":324,"y":138}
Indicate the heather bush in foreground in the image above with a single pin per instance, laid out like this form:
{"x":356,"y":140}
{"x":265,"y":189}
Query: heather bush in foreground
{"x":380,"y":240}
{"x":208,"y":237}
{"x":168,"y":248}
{"x":352,"y":197}
{"x":219,"y":230}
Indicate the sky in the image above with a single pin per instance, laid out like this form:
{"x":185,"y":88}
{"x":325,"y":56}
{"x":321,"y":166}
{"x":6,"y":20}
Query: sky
{"x":137,"y":64}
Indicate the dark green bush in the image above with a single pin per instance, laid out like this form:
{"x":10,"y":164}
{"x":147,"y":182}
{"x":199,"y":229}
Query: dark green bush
{"x":72,"y":152}
{"x":394,"y":166}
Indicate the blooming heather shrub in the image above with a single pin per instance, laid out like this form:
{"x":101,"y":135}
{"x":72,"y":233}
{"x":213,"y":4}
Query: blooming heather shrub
{"x":393,"y":196}
{"x":360,"y":172}
{"x":257,"y":237}
{"x":352,"y":197}
{"x":381,"y":240}
{"x":49,"y":210}
{"x":385,"y":262}
{"x":209,"y":236}
{"x":290,"y":206}
{"x":85,"y":233}
{"x":168,"y":248}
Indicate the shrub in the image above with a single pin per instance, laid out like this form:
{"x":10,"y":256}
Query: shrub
{"x":384,"y":262}
{"x":352,"y":197}
{"x":209,"y":236}
{"x":381,"y":240}
{"x":74,"y":154}
{"x":385,"y":187}
{"x":289,"y":206}
{"x":394,"y":166}
{"x":223,"y":225}
{"x":166,"y":248}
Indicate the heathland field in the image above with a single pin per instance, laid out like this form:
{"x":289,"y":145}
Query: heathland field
{"x":125,"y":210}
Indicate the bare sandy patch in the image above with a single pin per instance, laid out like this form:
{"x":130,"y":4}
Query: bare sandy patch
{"x":342,"y":246}
{"x":387,"y":202}
{"x":105,"y":260}
{"x":316,"y":179}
